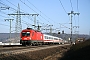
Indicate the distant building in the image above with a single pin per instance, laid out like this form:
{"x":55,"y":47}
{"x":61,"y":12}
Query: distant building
{"x":78,"y":40}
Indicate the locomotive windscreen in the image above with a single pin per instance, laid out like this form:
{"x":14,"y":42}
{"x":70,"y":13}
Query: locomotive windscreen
{"x":25,"y":33}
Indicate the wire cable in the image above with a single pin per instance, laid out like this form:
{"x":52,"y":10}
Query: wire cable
{"x":6,"y":25}
{"x":71,"y":5}
{"x":65,"y":12}
{"x":62,"y":6}
{"x":7,"y":5}
{"x":28,"y":6}
{"x":44,"y":15}
{"x":16,"y":10}
{"x":78,"y":17}
{"x":77,"y":6}
{"x":33,"y":10}
{"x":40,"y":11}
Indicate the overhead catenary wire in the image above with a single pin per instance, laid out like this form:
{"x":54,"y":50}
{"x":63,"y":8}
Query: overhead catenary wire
{"x":5,"y":14}
{"x":62,"y":6}
{"x":34,"y":11}
{"x":22,"y":9}
{"x":77,"y":26}
{"x":16,"y":10}
{"x":30,"y":8}
{"x":6,"y":25}
{"x":78,"y":12}
{"x":77,"y":6}
{"x":16,"y":7}
{"x":41,"y":12}
{"x":63,"y":24}
{"x":71,"y":5}
{"x":7,"y":6}
{"x":38,"y":10}
{"x":10,"y":19}
{"x":78,"y":17}
{"x":24,"y":3}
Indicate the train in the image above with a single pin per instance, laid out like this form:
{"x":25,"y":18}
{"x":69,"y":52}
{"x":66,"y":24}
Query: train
{"x":30,"y":36}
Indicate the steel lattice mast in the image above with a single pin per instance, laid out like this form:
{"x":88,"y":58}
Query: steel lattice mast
{"x":18,"y":26}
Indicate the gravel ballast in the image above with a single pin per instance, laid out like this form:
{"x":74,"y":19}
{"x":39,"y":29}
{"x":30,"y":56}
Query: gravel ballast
{"x":44,"y":54}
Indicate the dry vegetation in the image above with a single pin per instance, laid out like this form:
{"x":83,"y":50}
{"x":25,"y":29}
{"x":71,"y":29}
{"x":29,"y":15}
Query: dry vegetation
{"x":80,"y":51}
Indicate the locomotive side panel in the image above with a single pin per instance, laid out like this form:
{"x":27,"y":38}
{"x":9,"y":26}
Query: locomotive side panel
{"x":39,"y":36}
{"x":33,"y":35}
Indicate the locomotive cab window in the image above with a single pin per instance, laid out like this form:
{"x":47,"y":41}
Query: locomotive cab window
{"x":25,"y":33}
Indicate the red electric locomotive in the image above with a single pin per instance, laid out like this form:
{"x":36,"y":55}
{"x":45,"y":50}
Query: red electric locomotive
{"x":34,"y":37}
{"x":30,"y":36}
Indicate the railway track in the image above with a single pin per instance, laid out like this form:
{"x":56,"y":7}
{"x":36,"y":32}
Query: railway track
{"x":16,"y":47}
{"x":22,"y":49}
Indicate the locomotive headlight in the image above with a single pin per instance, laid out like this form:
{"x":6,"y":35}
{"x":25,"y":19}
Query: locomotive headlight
{"x":30,"y":38}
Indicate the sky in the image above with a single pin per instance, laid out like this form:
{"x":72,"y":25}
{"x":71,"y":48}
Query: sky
{"x":51,"y":12}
